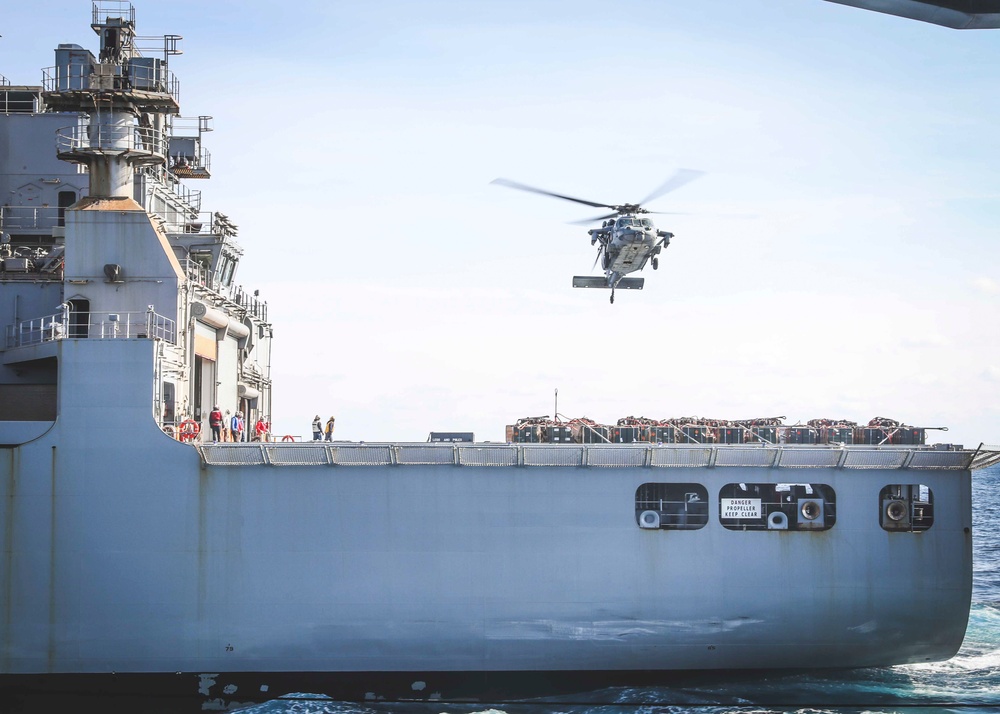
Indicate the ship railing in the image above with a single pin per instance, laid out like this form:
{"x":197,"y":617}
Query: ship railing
{"x":208,"y":223}
{"x":91,"y":325}
{"x":18,"y":100}
{"x":102,"y":10}
{"x":31,"y":218}
{"x":855,"y":457}
{"x":985,"y":456}
{"x":188,"y":157}
{"x":168,"y":198}
{"x":92,"y":138}
{"x":198,"y":273}
{"x":197,"y":164}
{"x":139,"y":77}
{"x":254,"y":306}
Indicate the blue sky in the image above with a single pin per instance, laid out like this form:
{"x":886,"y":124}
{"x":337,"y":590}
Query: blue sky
{"x":837,"y":259}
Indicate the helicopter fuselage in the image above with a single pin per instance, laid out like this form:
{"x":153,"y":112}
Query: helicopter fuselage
{"x":629,"y":243}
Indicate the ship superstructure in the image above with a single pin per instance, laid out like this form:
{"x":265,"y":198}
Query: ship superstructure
{"x":104,"y":239}
{"x":133,"y":562}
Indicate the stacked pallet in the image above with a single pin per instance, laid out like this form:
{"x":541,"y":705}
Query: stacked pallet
{"x":700,"y":430}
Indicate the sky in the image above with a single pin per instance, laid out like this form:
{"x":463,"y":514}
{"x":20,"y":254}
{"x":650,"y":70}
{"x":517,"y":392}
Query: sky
{"x":837,"y":259}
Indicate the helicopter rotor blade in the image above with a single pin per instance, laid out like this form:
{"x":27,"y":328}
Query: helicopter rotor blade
{"x":532,"y":189}
{"x":713,"y":214}
{"x":680,"y":178}
{"x":585,"y":221}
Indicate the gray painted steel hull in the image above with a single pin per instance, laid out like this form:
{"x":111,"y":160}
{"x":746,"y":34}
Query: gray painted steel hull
{"x":124,"y":553}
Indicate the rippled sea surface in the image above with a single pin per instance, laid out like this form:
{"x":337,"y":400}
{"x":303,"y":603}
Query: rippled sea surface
{"x":969,"y":683}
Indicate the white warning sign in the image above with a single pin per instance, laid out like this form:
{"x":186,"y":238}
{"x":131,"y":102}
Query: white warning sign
{"x":740,"y":508}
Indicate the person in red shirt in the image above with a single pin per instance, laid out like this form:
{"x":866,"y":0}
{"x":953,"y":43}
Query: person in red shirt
{"x":262,"y":428}
{"x":215,"y":421}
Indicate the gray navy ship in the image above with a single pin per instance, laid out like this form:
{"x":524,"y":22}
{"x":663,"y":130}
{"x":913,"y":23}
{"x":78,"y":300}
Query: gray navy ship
{"x":139,"y":557}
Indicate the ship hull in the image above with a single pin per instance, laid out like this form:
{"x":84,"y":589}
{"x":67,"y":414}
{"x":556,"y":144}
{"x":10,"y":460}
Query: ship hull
{"x":176,"y":692}
{"x":452,"y":569}
{"x":128,"y":552}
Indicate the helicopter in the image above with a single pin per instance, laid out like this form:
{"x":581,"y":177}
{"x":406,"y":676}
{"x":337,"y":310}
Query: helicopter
{"x":625,"y":241}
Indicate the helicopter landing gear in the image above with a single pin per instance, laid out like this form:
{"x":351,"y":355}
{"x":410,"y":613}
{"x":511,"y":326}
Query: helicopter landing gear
{"x":612,"y":296}
{"x":655,"y":263}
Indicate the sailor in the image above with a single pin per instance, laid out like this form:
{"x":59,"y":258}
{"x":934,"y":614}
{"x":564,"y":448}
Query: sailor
{"x":329,"y":429}
{"x":215,"y":421}
{"x":317,"y":428}
{"x":262,"y":428}
{"x":237,"y":426}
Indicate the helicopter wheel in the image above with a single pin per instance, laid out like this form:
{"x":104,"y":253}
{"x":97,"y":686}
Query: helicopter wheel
{"x":656,"y":263}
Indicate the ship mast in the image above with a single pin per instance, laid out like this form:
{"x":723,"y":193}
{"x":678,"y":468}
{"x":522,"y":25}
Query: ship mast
{"x":124,"y":100}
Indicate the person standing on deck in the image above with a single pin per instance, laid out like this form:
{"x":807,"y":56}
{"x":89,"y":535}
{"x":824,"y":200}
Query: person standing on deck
{"x":329,"y":429}
{"x":317,"y":428}
{"x":215,"y":421}
{"x":237,"y":426}
{"x":262,"y":428}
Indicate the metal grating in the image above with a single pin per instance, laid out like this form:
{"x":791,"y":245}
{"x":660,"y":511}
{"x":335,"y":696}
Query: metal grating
{"x":617,"y":456}
{"x":808,"y":458}
{"x":297,"y":455}
{"x":745,"y":457}
{"x":437,"y":454}
{"x":233,"y":454}
{"x":876,"y":459}
{"x":487,"y":456}
{"x":553,"y":455}
{"x":673,"y":456}
{"x":939,"y":460}
{"x":985,"y":457}
{"x":598,"y":455}
{"x":362,"y":455}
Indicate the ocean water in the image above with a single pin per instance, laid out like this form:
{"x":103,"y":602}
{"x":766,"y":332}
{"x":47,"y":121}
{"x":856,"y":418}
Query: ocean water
{"x":969,"y":683}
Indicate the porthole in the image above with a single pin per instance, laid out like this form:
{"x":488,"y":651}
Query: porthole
{"x":906,"y":508}
{"x":671,"y":506}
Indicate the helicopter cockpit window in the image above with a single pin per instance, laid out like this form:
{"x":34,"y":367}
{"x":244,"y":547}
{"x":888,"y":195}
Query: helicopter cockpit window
{"x":646,"y":223}
{"x":624,"y":222}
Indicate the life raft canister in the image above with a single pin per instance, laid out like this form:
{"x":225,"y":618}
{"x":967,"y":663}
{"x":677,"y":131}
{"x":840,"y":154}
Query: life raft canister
{"x":189,"y":429}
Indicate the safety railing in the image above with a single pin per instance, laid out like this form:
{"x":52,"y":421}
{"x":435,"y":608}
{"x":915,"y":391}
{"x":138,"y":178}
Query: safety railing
{"x":593,"y":456}
{"x":91,"y":325}
{"x":103,"y":10}
{"x":197,"y":164}
{"x":199,"y":274}
{"x":18,"y":100}
{"x":207,"y":223}
{"x":99,"y":138}
{"x":136,"y":77}
{"x":985,"y":456}
{"x":29,"y":218}
{"x":170,"y":199}
{"x":188,"y":158}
